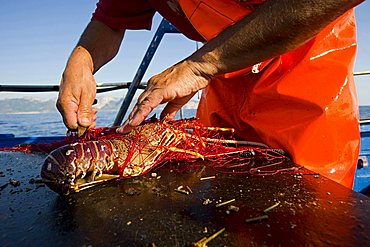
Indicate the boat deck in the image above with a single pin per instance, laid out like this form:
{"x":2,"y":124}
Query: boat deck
{"x":147,"y":211}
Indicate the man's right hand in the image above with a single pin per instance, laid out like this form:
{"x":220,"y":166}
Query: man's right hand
{"x":77,"y":91}
{"x":97,"y":45}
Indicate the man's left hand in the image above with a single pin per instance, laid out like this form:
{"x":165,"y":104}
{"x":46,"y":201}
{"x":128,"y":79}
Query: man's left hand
{"x":176,"y":85}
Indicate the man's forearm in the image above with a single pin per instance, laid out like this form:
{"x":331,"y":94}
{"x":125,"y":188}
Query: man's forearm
{"x":97,"y":46}
{"x":274,"y":28}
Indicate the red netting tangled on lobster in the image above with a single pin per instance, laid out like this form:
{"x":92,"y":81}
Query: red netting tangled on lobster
{"x":77,"y":163}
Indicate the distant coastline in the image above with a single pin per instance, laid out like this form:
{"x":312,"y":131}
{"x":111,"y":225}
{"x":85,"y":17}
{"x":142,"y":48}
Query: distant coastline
{"x":25,"y":113}
{"x":18,"y":106}
{"x":39,"y":106}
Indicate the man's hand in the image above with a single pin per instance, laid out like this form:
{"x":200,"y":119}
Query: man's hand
{"x":76,"y":95}
{"x":176,"y":85}
{"x":97,"y":45}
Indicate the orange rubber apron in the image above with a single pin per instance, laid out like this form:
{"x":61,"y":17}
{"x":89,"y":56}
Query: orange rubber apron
{"x":303,"y":101}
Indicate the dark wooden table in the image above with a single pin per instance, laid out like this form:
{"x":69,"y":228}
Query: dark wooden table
{"x":147,"y":211}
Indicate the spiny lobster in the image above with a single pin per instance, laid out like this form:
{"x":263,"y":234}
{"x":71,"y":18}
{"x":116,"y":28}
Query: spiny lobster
{"x":86,"y":163}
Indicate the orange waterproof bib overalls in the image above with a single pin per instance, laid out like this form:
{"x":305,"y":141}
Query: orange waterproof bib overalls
{"x":303,"y":101}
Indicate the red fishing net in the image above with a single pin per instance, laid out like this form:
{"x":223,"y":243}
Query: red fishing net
{"x":179,"y":140}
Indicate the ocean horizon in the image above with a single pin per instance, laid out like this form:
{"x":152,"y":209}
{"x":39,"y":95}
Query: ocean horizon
{"x":51,"y":124}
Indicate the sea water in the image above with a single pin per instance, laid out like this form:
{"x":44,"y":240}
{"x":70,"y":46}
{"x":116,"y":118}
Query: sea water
{"x":51,"y":124}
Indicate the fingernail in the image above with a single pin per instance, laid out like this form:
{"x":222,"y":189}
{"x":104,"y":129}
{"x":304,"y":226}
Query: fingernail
{"x":85,"y":120}
{"x":123,"y":129}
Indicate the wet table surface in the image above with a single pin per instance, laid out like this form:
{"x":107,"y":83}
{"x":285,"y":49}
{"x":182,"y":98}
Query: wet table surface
{"x":147,"y":211}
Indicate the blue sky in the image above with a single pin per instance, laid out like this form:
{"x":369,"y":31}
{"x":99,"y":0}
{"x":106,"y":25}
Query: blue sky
{"x":37,"y":37}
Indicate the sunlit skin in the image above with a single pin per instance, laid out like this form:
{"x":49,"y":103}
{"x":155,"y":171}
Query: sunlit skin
{"x":274,"y":28}
{"x":78,"y":86}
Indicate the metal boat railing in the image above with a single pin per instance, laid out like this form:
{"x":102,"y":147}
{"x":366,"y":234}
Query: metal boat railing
{"x":101,"y":87}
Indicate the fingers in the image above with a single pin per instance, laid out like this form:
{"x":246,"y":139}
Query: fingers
{"x":85,"y":111}
{"x":141,"y":110}
{"x":170,"y":110}
{"x":174,"y":106}
{"x":175,"y":85}
{"x":125,"y":128}
{"x":75,"y":114}
{"x":94,"y":117}
{"x":68,"y":112}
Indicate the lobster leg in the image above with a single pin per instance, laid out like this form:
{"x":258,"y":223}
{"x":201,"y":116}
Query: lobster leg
{"x":237,"y":142}
{"x":100,"y":180}
{"x":179,"y":150}
{"x":219,"y":129}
